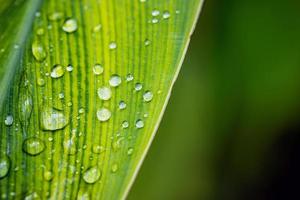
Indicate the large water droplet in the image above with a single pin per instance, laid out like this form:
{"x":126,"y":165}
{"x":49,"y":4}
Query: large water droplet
{"x":115,"y":80}
{"x":4,"y":165}
{"x":103,"y":114}
{"x":39,"y":51}
{"x":53,"y":119}
{"x":70,"y":25}
{"x":92,"y":175}
{"x":33,"y":146}
{"x":98,"y":69}
{"x":104,"y":93}
{"x":148,"y":96}
{"x":9,"y":120}
{"x":57,"y":71}
{"x":139,"y":124}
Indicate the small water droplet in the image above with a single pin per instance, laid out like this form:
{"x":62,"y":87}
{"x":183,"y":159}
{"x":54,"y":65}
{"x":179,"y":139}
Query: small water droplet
{"x":32,"y":196}
{"x":115,"y":80}
{"x":114,"y":168}
{"x":154,"y":21}
{"x":38,"y":51}
{"x":139,"y":123}
{"x":104,"y":93}
{"x":40,"y":82}
{"x":4,"y":165}
{"x":138,"y":86}
{"x":125,"y":124}
{"x":129,"y":77}
{"x":103,"y":114}
{"x":97,"y":28}
{"x":55,"y":16}
{"x":61,"y":95}
{"x":130,"y":151}
{"x":155,"y":13}
{"x":33,"y":146}
{"x":166,"y":15}
{"x":112,"y":45}
{"x":53,"y":119}
{"x":83,"y":196}
{"x":98,"y":69}
{"x":148,"y":96}
{"x":147,"y":42}
{"x":98,"y":149}
{"x":70,"y":25}
{"x":40,"y":31}
{"x":69,"y":68}
{"x":92,"y":175}
{"x":48,"y":175}
{"x":81,"y":110}
{"x":142,"y":1}
{"x":122,"y":105}
{"x":9,"y":120}
{"x":57,"y":71}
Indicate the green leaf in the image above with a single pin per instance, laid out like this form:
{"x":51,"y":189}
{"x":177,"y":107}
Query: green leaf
{"x":84,"y":85}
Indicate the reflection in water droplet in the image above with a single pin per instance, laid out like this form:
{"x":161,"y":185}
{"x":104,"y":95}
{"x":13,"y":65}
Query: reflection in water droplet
{"x":104,"y":93}
{"x":70,"y":25}
{"x":57,"y":71}
{"x":114,"y":168}
{"x":103,"y":114}
{"x":139,"y":124}
{"x":98,"y":69}
{"x":115,"y":80}
{"x":138,"y":86}
{"x":148,"y":96}
{"x":4,"y":165}
{"x":92,"y":175}
{"x":9,"y":120}
{"x":122,"y":105}
{"x":38,"y":51}
{"x":112,"y":45}
{"x":33,"y":146}
{"x":53,"y":119}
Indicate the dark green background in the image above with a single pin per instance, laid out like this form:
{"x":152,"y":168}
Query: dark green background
{"x":231,"y":127}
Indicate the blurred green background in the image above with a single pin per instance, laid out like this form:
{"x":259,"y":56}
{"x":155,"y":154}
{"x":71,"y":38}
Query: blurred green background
{"x":231,"y":129}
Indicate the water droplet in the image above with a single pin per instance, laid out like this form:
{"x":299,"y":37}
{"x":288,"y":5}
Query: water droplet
{"x":9,"y":120}
{"x":147,"y":42}
{"x":122,"y":105}
{"x":103,"y":114}
{"x":148,"y":96}
{"x":154,"y":21}
{"x":69,"y":68}
{"x":112,"y":45}
{"x":139,"y":124}
{"x":104,"y":93}
{"x":32,"y":196}
{"x":138,"y":86}
{"x":40,"y":31}
{"x":166,"y":15}
{"x":48,"y":175}
{"x":38,"y":51}
{"x":115,"y":80}
{"x":53,"y":119}
{"x":98,"y":149}
{"x":4,"y":165}
{"x":55,"y":16}
{"x":130,"y":151}
{"x":70,"y":145}
{"x":81,"y":110}
{"x":98,"y":69}
{"x":129,"y":77}
{"x":92,"y":175}
{"x":125,"y":124}
{"x":25,"y":107}
{"x":83,"y":196}
{"x":114,"y":168}
{"x":97,"y":28}
{"x":61,"y":95}
{"x":40,"y":82}
{"x":57,"y":71}
{"x":33,"y":146}
{"x":70,"y":25}
{"x":155,"y":13}
{"x":142,"y":1}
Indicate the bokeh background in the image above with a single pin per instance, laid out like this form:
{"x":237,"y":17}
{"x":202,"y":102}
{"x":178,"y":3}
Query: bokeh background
{"x":231,"y":129}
